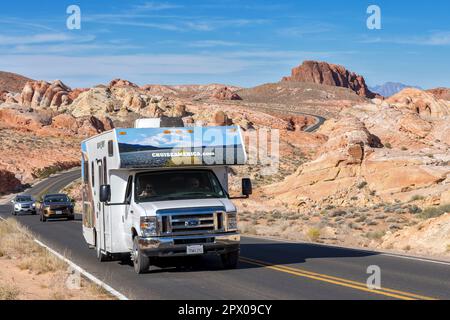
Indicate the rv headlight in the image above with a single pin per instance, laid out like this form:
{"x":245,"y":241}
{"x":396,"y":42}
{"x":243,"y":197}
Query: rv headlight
{"x":149,"y":226}
{"x":232,"y":221}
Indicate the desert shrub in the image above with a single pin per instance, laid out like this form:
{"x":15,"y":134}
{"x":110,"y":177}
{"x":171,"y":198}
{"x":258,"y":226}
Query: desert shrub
{"x":276,"y":214}
{"x":417,"y":197}
{"x":375,"y":235}
{"x":388,"y":145}
{"x":433,"y":212}
{"x":361,"y":185}
{"x":414,"y":209}
{"x":404,"y":148}
{"x":8,"y":292}
{"x":314,"y":234}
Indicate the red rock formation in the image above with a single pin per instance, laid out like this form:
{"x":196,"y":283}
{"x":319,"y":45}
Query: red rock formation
{"x":121,"y":83}
{"x":12,"y":82}
{"x":225,"y":94}
{"x":41,"y":94}
{"x":332,"y":75}
{"x":3,"y":94}
{"x":8,"y":182}
{"x":440,"y":93}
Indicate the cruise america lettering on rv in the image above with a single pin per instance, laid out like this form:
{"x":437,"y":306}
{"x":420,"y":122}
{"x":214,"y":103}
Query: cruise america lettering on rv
{"x":182,"y":154}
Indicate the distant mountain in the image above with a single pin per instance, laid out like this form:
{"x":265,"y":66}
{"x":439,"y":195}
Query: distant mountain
{"x":390,"y":88}
{"x":12,"y":82}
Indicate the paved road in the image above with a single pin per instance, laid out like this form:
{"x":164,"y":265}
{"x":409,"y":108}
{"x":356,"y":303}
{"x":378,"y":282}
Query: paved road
{"x":268,"y":269}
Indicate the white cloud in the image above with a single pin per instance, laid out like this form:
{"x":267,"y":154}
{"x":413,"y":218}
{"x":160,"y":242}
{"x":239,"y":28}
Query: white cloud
{"x":43,"y":38}
{"x":301,"y":31}
{"x":441,"y":38}
{"x":88,"y":70}
{"x":156,"y":6}
{"x":213,"y":43}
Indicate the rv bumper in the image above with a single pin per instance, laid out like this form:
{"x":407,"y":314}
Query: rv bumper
{"x":177,"y":246}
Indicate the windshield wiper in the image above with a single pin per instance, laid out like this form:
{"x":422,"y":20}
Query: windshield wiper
{"x":200,"y":194}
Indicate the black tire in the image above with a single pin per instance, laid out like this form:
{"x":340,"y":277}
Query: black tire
{"x":230,"y":260}
{"x":43,"y":218}
{"x":141,"y":262}
{"x":100,"y":256}
{"x":33,"y":213}
{"x":70,"y":218}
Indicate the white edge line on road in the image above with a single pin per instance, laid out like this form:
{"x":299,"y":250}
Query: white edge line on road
{"x":76,"y":267}
{"x":395,"y":255}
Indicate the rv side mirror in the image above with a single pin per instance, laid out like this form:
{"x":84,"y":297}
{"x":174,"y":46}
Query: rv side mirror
{"x":246,"y":187}
{"x":105,"y":193}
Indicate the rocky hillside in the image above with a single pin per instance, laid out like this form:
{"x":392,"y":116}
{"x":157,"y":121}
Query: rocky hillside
{"x":46,"y":121}
{"x":11,"y":83}
{"x":441,"y":93}
{"x":332,"y":75}
{"x":376,"y":170}
{"x":382,"y":168}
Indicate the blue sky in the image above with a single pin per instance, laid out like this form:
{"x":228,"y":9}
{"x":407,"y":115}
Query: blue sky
{"x":243,"y":43}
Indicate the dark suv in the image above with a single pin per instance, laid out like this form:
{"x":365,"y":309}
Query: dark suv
{"x":56,"y":206}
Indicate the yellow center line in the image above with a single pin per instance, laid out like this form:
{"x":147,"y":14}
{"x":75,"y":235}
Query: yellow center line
{"x":336,"y":280}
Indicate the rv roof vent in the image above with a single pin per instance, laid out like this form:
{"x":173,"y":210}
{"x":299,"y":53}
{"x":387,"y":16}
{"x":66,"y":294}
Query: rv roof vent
{"x":148,"y":123}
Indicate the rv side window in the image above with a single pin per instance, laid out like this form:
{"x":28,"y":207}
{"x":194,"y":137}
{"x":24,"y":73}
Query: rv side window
{"x":92,"y":173}
{"x":105,"y":171}
{"x":128,"y":190}
{"x":110,"y":148}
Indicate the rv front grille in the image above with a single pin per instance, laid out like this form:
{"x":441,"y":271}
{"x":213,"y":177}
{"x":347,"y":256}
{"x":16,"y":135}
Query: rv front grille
{"x":191,"y":221}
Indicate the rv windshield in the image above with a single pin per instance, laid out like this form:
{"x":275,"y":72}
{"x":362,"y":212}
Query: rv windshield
{"x":177,"y":185}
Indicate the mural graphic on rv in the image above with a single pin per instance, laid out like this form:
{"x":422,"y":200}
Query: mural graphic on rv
{"x":168,"y":147}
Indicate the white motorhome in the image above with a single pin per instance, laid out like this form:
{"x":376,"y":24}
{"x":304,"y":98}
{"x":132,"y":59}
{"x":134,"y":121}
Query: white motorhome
{"x":161,"y":192}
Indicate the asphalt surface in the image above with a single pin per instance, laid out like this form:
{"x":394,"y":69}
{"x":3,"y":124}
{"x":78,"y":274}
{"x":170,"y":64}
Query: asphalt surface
{"x":268,"y":269}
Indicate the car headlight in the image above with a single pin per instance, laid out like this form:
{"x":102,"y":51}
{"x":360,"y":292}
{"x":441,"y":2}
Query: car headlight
{"x":149,"y":226}
{"x":34,"y":205}
{"x":17,"y":206}
{"x":232,"y":221}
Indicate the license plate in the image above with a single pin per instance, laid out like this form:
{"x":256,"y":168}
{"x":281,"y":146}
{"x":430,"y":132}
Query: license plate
{"x":58,"y":212}
{"x":197,"y":249}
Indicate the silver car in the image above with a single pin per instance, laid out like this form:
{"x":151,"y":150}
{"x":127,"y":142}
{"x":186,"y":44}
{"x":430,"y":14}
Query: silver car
{"x":23,"y":204}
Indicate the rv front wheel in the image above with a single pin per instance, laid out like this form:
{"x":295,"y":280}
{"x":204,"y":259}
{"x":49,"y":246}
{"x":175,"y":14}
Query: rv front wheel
{"x":141,"y":262}
{"x":230,"y":260}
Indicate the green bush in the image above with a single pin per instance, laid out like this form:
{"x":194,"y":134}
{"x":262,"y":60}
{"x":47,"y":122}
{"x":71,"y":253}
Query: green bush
{"x":433,"y":212}
{"x":361,"y":185}
{"x":417,"y":197}
{"x":314,"y":234}
{"x":375,"y":235}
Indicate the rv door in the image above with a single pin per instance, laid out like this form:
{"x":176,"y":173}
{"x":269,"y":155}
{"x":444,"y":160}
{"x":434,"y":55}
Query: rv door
{"x":104,"y":232}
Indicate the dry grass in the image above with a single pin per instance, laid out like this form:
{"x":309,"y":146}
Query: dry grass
{"x":8,"y":292}
{"x":16,"y":242}
{"x":32,"y":272}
